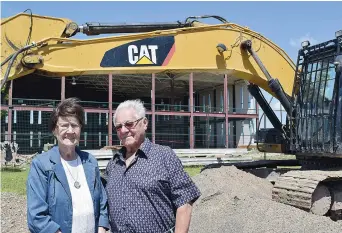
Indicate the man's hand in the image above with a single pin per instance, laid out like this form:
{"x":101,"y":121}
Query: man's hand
{"x":102,"y":230}
{"x":183,"y":217}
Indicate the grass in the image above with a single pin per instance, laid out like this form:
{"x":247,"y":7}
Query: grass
{"x":14,"y":180}
{"x":193,"y":170}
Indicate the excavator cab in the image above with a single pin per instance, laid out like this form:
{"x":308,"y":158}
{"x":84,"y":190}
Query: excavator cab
{"x":316,"y":120}
{"x":313,"y":127}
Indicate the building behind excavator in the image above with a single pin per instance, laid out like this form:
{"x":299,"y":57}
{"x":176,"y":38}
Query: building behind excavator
{"x":33,"y":97}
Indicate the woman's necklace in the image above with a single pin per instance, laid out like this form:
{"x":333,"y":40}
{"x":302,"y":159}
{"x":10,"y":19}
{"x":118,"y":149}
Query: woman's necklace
{"x":76,"y":183}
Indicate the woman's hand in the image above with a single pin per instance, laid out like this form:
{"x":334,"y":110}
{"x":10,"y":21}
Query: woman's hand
{"x":102,"y":230}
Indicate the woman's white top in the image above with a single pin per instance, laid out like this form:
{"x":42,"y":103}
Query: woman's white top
{"x":83,"y":220}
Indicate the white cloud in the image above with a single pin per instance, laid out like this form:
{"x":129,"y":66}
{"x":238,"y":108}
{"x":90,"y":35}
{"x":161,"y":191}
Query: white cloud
{"x":296,"y":42}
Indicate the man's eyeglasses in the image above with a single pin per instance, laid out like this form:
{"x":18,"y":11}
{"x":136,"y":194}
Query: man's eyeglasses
{"x":128,"y":124}
{"x":66,"y":126}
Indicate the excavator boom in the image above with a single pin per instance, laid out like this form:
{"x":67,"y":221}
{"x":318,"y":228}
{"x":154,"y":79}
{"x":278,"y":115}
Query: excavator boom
{"x":194,"y":47}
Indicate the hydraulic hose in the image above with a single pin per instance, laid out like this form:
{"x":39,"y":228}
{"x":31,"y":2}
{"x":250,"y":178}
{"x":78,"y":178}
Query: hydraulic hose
{"x":6,"y":60}
{"x":274,"y":84}
{"x":12,"y":58}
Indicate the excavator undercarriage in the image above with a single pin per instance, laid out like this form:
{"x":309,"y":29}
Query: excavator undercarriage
{"x":317,"y":191}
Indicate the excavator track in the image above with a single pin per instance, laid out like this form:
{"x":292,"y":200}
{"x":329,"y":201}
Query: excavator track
{"x":316,"y":191}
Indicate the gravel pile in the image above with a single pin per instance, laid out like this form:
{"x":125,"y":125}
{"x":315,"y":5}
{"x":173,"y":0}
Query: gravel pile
{"x":236,"y":201}
{"x":13,"y":213}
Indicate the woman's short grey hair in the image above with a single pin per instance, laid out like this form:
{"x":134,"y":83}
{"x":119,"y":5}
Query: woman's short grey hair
{"x":137,"y":105}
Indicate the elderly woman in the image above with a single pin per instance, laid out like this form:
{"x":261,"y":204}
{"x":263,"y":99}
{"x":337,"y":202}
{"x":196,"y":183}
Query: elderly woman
{"x":64,"y":189}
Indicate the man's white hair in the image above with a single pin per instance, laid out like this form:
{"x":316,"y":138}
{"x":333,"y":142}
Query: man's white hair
{"x":137,"y":105}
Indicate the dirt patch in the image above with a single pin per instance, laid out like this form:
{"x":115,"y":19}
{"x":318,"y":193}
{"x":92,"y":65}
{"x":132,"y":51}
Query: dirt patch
{"x":236,"y":201}
{"x":13,"y":213}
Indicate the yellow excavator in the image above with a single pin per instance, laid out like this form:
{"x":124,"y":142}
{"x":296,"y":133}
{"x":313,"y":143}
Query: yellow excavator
{"x":310,"y":90}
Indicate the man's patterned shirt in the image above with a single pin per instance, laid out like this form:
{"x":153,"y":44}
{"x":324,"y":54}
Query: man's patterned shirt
{"x":145,"y":196}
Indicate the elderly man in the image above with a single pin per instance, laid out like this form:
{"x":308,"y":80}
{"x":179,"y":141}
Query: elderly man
{"x":147,"y":187}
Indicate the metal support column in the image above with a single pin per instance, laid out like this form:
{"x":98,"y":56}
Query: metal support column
{"x":234,"y":111}
{"x":153,"y":97}
{"x":10,"y":107}
{"x":214,"y":109}
{"x":256,"y":120}
{"x":172,"y":85}
{"x":225,"y":106}
{"x":110,"y":109}
{"x":191,"y":96}
{"x":63,"y":88}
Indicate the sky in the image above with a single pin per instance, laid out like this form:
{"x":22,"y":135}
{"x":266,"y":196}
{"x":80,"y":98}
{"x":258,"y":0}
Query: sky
{"x":287,"y":24}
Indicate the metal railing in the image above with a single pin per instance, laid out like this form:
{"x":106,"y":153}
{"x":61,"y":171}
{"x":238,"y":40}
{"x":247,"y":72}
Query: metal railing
{"x":29,"y":127}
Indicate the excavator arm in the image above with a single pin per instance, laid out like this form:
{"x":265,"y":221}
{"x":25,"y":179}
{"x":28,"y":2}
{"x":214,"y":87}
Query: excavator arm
{"x":173,"y":47}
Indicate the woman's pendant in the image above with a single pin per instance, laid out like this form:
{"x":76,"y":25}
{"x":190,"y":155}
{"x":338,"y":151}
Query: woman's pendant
{"x":77,"y":184}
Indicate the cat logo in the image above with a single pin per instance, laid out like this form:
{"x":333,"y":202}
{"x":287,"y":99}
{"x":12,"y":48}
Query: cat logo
{"x":145,"y":55}
{"x":155,"y":51}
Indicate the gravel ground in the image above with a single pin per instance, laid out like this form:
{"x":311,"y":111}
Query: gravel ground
{"x":236,"y":201}
{"x":13,"y":213}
